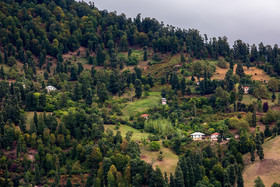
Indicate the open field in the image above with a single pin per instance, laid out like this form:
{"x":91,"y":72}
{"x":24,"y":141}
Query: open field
{"x":268,"y":169}
{"x":137,"y":134}
{"x":140,"y":105}
{"x":169,"y":162}
{"x":257,"y":74}
{"x":170,"y":159}
{"x":249,"y":99}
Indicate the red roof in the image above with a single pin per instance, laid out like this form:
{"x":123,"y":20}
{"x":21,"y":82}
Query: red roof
{"x":144,"y":115}
{"x":215,"y":133}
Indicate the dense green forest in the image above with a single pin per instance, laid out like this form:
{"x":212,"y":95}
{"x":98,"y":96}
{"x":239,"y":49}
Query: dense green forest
{"x":108,"y":70}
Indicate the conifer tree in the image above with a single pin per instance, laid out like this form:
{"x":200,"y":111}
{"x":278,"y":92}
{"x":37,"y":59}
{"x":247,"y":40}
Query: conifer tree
{"x":258,"y":182}
{"x":240,"y":181}
{"x":68,"y":182}
{"x":102,"y":93}
{"x":239,"y":70}
{"x":145,"y":58}
{"x":252,"y":154}
{"x":183,"y":86}
{"x":35,"y":119}
{"x":172,"y":182}
{"x":179,"y":178}
{"x":138,"y":88}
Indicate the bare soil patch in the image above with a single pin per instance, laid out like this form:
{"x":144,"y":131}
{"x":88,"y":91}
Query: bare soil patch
{"x":268,"y":169}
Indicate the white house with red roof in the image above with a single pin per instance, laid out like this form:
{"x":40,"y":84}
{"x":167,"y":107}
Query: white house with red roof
{"x":214,"y":136}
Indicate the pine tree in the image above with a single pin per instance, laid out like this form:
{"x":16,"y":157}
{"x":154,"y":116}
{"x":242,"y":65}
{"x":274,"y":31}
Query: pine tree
{"x":183,"y":58}
{"x":74,"y":73}
{"x":113,"y":84}
{"x":68,"y":183}
{"x":150,"y":81}
{"x":102,"y":93}
{"x":129,"y":52}
{"x":232,"y":175}
{"x":179,"y":178}
{"x":261,"y":154}
{"x":239,"y":70}
{"x":254,"y":119}
{"x":252,"y":154}
{"x":183,"y":86}
{"x":273,"y":97}
{"x":258,"y":182}
{"x":35,"y":119}
{"x":138,"y":88}
{"x":240,"y":181}
{"x":172,"y":182}
{"x":145,"y":58}
{"x":89,"y":97}
{"x":2,"y":72}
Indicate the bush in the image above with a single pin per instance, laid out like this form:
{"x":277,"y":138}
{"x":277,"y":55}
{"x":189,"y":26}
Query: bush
{"x":154,"y":146}
{"x":154,"y":138}
{"x":222,"y":63}
{"x":166,"y":143}
{"x":11,"y":61}
{"x":132,"y":60}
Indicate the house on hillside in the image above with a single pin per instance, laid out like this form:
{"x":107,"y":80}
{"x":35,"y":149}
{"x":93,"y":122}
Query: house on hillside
{"x":214,"y":136}
{"x":246,"y":89}
{"x":50,"y":88}
{"x":145,"y":116}
{"x":197,"y":136}
{"x":163,"y":101}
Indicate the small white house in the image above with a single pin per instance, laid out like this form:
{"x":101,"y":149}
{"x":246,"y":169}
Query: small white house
{"x":50,"y":88}
{"x":246,"y":89}
{"x":163,"y":101}
{"x":214,"y":136}
{"x":197,"y":136}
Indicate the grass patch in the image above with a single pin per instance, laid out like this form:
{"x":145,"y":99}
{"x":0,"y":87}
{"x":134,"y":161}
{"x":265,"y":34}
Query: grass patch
{"x":169,"y":162}
{"x":141,"y":105}
{"x":137,"y":134}
{"x":249,"y":99}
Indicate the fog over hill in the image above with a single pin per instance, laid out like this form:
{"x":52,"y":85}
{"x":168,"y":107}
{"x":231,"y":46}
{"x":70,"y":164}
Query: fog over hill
{"x":252,"y":21}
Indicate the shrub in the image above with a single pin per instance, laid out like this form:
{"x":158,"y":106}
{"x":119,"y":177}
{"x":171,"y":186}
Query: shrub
{"x":166,"y":143}
{"x":154,"y":138}
{"x":222,"y":63}
{"x":154,"y":146}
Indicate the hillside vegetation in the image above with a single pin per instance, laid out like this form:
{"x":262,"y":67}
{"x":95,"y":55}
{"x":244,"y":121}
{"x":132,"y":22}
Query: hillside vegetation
{"x":75,"y":82}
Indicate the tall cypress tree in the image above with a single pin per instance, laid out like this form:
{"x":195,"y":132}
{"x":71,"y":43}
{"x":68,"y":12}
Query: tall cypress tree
{"x":138,"y":88}
{"x":183,"y":86}
{"x":239,"y":70}
{"x":179,"y":179}
{"x":240,"y":181}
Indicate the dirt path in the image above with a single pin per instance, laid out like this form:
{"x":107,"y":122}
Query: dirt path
{"x":268,"y":169}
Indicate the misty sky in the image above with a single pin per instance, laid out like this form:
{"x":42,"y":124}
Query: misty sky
{"x":252,"y":21}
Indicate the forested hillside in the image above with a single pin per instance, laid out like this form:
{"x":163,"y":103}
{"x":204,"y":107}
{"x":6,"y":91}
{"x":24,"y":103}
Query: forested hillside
{"x":93,"y":98}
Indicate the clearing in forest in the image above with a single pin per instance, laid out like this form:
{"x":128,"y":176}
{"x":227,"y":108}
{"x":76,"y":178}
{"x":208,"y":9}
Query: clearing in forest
{"x":142,"y":104}
{"x":257,"y":74}
{"x":136,"y":136}
{"x":169,"y":162}
{"x":268,"y":169}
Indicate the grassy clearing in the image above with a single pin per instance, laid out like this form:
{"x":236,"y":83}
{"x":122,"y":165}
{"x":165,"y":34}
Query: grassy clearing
{"x":257,"y":74}
{"x":170,"y":159}
{"x":268,"y":169}
{"x":140,"y":105}
{"x":169,"y":162}
{"x":249,"y":99}
{"x":137,"y":134}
